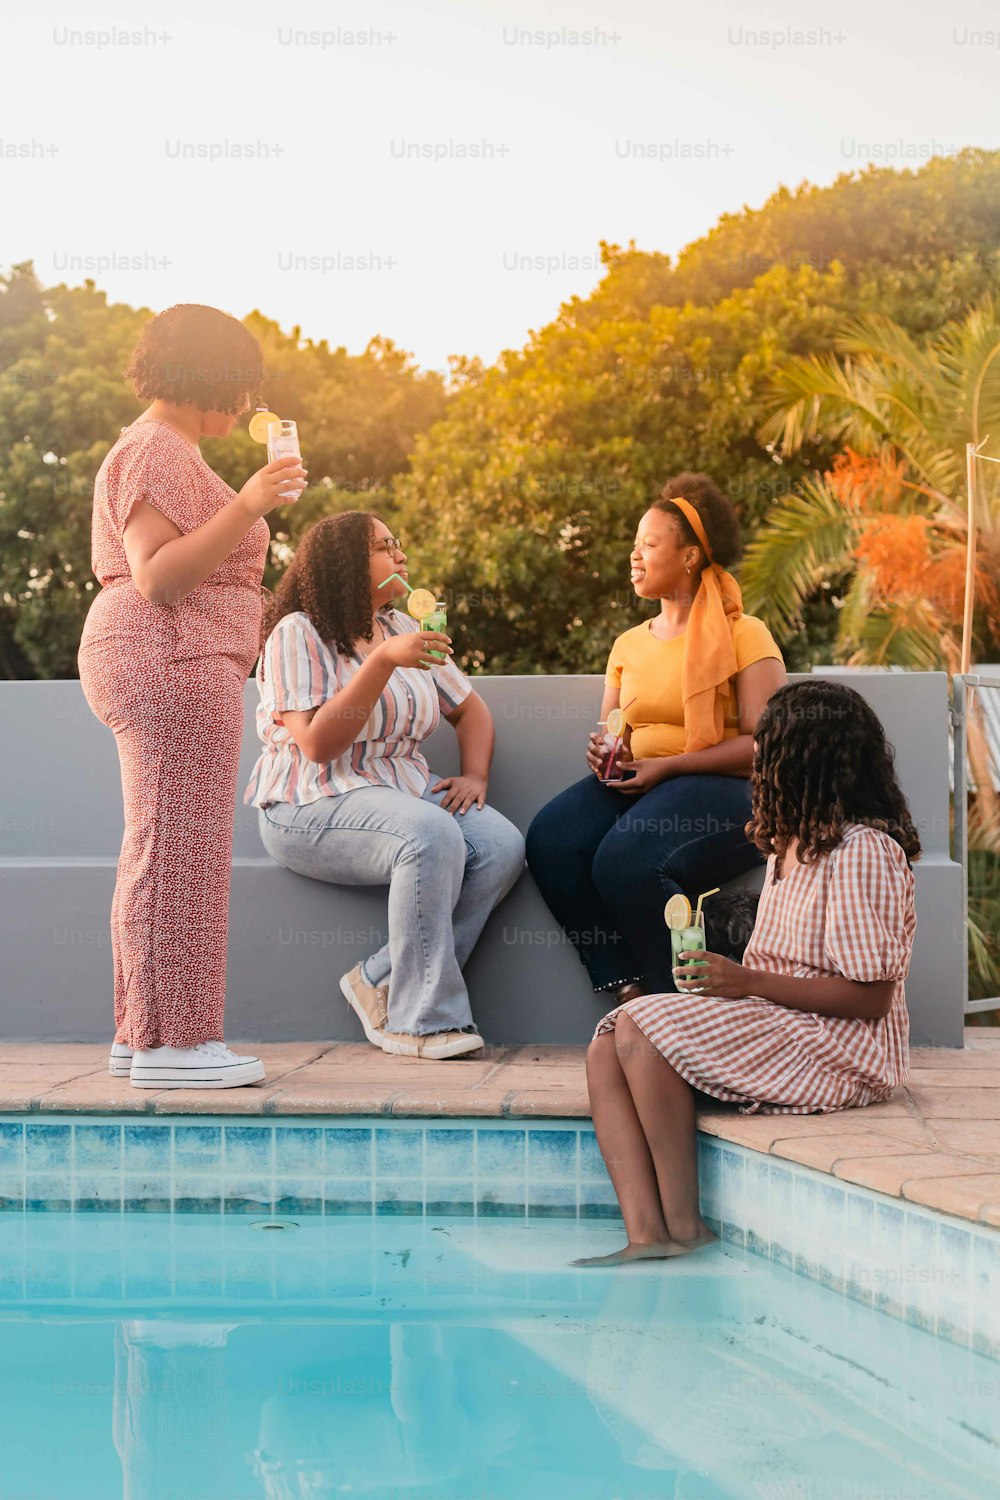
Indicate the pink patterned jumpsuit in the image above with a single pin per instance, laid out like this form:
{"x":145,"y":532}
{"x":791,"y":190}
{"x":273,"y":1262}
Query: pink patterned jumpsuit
{"x":168,"y":680}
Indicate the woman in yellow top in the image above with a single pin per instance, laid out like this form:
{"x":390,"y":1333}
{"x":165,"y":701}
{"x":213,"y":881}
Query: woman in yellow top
{"x":692,"y":682}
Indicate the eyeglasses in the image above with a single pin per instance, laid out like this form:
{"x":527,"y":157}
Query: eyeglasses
{"x":387,"y":544}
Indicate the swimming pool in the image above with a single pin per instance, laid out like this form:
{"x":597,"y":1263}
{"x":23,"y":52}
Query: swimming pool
{"x":414,"y":1329}
{"x":186,"y":1356}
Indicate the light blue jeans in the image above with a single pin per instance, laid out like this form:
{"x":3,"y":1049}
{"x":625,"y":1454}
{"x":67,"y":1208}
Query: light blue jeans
{"x":445,"y":872}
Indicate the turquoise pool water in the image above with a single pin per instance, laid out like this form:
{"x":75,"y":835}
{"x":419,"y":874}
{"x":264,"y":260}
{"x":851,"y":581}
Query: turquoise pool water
{"x":194,"y":1357}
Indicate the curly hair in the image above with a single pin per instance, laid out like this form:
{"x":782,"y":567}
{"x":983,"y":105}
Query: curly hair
{"x":328,"y":579}
{"x":822,"y":761}
{"x":718,"y":516}
{"x":197,"y":356}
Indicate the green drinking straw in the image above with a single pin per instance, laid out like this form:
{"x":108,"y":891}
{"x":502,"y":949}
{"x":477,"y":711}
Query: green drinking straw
{"x":408,"y":587}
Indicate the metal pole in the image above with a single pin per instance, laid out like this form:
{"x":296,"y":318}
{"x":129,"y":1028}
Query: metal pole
{"x":970,"y":559}
{"x":962,"y":687}
{"x":959,"y":703}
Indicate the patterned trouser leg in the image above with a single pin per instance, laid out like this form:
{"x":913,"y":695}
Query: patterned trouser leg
{"x":178,"y":726}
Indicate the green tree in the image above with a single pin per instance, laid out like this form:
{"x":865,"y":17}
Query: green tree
{"x":63,"y":401}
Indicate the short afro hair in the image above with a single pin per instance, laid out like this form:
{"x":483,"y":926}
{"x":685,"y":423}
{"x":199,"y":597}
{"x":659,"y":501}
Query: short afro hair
{"x":718,"y":516}
{"x":197,"y":356}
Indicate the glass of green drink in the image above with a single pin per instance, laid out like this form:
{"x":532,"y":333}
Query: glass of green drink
{"x":688,"y":939}
{"x":436,"y":620}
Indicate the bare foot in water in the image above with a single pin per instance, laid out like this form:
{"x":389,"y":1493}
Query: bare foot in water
{"x":668,"y":1250}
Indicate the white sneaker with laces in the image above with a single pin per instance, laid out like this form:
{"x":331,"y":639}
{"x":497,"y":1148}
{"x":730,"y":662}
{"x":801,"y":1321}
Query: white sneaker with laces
{"x":208,"y":1065}
{"x":120,"y":1060}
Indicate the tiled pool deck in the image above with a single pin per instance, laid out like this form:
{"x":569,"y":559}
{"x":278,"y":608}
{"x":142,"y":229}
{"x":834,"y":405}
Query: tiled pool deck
{"x":936,"y":1143}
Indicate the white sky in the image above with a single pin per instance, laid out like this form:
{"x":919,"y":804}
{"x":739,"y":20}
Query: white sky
{"x":893,"y":76}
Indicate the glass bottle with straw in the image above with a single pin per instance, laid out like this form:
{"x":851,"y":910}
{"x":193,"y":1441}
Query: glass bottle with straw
{"x":615,"y":725}
{"x":430,"y":613}
{"x":687,"y":930}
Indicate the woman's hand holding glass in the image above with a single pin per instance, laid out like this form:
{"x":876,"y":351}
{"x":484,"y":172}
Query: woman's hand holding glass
{"x":711,"y":974}
{"x":263,"y":490}
{"x":412,"y":649}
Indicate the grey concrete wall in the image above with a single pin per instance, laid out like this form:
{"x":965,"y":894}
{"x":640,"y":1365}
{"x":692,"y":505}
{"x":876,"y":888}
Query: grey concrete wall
{"x":291,"y":938}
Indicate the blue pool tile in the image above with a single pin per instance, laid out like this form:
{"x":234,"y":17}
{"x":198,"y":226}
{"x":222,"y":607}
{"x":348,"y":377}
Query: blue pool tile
{"x":146,"y":1192}
{"x":249,"y":1150}
{"x":591,"y":1160}
{"x":11,"y":1191}
{"x":194,"y":1194}
{"x":399,"y":1153}
{"x":11,"y":1147}
{"x":147,"y":1148}
{"x":833,"y":1208}
{"x":400,"y":1195}
{"x":97,"y":1275}
{"x":598,"y":1201}
{"x":860,"y":1219}
{"x":552,"y":1154}
{"x":345,"y":1195}
{"x":552,"y":1200}
{"x":497,"y":1199}
{"x":197,"y":1147}
{"x":449,"y":1195}
{"x":500,"y":1153}
{"x":449,"y":1153}
{"x":247,"y":1195}
{"x":921,"y":1244}
{"x":46,"y":1147}
{"x":98,"y":1147}
{"x":298,"y":1150}
{"x":48,"y":1192}
{"x":299,"y":1195}
{"x":95,"y":1192}
{"x":348,"y":1152}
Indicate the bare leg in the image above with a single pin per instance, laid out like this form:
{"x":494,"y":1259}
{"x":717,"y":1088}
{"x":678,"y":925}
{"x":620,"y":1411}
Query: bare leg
{"x":627,"y":1158}
{"x":664,"y":1105}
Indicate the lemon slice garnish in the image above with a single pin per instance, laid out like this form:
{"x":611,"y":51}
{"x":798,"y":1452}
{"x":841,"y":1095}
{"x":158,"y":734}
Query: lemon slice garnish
{"x":616,"y":723}
{"x":259,"y":423}
{"x":420,"y":603}
{"x":677,"y":912}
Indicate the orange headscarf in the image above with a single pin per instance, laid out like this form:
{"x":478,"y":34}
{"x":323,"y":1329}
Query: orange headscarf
{"x":709,"y":653}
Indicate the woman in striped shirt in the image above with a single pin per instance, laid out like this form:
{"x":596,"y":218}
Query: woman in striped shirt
{"x":814,"y":1018}
{"x":349,"y":690}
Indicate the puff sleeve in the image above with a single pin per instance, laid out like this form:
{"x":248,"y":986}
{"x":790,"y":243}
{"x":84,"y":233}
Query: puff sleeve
{"x":870,"y":920}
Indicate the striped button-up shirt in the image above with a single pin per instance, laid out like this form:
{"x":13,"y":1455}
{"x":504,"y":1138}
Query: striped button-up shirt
{"x":299,"y":671}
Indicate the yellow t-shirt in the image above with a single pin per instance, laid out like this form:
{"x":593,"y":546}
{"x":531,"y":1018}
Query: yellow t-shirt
{"x":649,"y":670}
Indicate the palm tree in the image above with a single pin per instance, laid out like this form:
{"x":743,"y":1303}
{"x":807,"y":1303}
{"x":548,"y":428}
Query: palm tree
{"x":889,"y":520}
{"x":891,"y":515}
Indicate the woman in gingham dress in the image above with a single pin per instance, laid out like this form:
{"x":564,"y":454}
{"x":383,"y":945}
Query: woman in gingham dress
{"x":814,"y":1018}
{"x":350,"y":689}
{"x":166,"y":650}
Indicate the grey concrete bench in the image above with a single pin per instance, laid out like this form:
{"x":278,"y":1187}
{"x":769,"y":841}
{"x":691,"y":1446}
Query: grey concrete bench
{"x":292,"y":938}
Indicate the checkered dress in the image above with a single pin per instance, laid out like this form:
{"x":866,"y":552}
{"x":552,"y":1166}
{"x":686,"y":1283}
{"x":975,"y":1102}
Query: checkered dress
{"x":850,"y":914}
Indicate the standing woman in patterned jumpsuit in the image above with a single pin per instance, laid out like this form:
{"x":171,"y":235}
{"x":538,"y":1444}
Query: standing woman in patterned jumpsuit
{"x":166,"y":650}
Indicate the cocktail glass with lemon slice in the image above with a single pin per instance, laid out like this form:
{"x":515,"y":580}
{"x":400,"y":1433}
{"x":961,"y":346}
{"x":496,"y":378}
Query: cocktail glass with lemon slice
{"x":282,"y":439}
{"x":687,"y":928}
{"x":432,"y":614}
{"x":615,"y":726}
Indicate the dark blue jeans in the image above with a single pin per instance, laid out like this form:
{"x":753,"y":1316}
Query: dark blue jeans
{"x":607,"y":863}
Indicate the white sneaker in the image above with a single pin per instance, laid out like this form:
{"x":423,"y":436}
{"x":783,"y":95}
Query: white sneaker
{"x":120,"y":1060}
{"x":436,"y":1044}
{"x":209,"y":1065}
